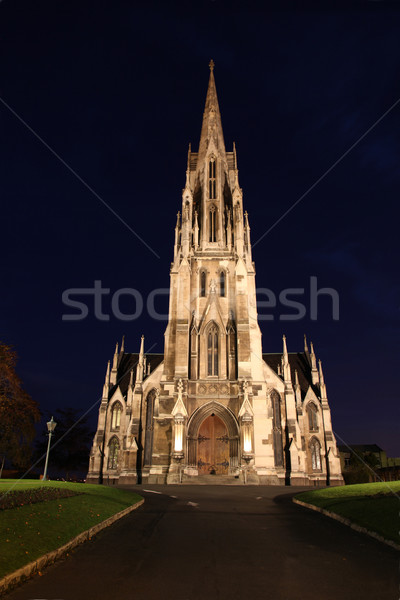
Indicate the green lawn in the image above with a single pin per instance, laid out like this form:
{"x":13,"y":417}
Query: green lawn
{"x":29,"y":531}
{"x":375,"y":506}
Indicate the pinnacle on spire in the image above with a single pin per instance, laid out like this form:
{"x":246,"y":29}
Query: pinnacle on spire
{"x":321,"y":375}
{"x":286,"y":371}
{"x":196,"y":231}
{"x":131,"y":379}
{"x":305,"y":344}
{"x":285,"y":352}
{"x":122,"y":345}
{"x":211,"y":64}
{"x":107,"y":378}
{"x":314,"y":370}
{"x":114,"y":370}
{"x":106,"y":386}
{"x":297,"y":390}
{"x":140,"y":362}
{"x":187,"y":183}
{"x":115,"y":359}
{"x":322,"y":385}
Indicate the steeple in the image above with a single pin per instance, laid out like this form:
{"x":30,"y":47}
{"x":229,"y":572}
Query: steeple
{"x":211,"y":130}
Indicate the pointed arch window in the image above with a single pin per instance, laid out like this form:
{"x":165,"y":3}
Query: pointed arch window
{"x":277,"y":428}
{"x":212,"y":351}
{"x":312,"y":417}
{"x":202,"y":284}
{"x":231,"y":350}
{"x":211,"y":180}
{"x":315,"y":448}
{"x":116,"y":416}
{"x":212,"y":219}
{"x":222,"y":283}
{"x":148,"y":441}
{"x":113,"y":453}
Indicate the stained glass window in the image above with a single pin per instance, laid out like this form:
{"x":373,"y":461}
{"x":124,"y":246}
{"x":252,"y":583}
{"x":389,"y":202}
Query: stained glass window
{"x":212,"y":351}
{"x":113,"y":453}
{"x":116,"y":416}
{"x":315,"y":448}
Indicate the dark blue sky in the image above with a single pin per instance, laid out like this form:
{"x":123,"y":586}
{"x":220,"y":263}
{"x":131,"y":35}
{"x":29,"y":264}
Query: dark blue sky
{"x":117,"y":90}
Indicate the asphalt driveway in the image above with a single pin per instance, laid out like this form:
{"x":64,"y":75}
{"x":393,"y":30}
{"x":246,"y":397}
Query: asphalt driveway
{"x":222,"y":542}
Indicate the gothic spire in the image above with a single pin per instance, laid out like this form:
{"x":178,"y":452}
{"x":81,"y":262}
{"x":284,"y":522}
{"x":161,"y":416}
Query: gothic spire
{"x":211,"y":129}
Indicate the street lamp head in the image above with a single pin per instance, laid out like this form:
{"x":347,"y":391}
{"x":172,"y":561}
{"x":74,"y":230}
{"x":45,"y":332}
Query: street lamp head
{"x":51,"y":425}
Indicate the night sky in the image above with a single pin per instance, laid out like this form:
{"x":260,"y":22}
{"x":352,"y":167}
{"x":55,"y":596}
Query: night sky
{"x":117,"y":91}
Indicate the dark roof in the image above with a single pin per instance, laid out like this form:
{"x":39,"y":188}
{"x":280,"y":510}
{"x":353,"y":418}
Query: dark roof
{"x":298,"y":362}
{"x":360,"y":448}
{"x":129,"y":362}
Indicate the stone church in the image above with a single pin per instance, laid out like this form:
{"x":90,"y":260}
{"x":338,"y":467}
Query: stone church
{"x":213,"y":408}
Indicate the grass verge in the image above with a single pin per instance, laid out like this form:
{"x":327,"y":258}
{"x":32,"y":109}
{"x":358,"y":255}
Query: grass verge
{"x":27,"y":532}
{"x":374,"y":506}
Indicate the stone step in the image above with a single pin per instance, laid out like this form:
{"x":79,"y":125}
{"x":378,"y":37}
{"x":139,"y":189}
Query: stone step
{"x":211,"y":480}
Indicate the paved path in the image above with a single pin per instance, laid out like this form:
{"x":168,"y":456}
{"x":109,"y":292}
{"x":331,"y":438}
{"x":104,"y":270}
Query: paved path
{"x":212,"y":542}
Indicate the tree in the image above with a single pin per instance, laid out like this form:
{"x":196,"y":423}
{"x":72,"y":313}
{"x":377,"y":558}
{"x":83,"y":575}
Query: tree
{"x":18,"y":413}
{"x":71,"y":442}
{"x":362,"y":466}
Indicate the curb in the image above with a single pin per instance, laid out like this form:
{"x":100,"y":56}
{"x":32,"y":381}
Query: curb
{"x":347,"y":522}
{"x":13,"y":579}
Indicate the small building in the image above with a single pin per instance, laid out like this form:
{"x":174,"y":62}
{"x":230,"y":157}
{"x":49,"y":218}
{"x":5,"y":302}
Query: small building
{"x":362,"y":463}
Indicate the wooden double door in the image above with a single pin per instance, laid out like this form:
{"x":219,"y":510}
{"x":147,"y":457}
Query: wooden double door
{"x":213,"y":447}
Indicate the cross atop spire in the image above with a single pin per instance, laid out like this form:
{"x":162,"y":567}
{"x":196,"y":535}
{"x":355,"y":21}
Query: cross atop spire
{"x":211,"y":64}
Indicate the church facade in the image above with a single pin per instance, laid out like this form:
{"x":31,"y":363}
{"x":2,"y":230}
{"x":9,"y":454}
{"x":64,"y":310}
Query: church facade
{"x":213,"y":407}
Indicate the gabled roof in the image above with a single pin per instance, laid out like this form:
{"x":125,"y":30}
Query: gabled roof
{"x":298,"y":361}
{"x":127,"y":363}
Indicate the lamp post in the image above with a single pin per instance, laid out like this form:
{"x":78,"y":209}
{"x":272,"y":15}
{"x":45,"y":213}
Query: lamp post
{"x":51,"y":425}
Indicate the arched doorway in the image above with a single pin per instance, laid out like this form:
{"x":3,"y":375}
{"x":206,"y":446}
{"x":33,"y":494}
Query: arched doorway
{"x":226,"y":427}
{"x":213,"y":447}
